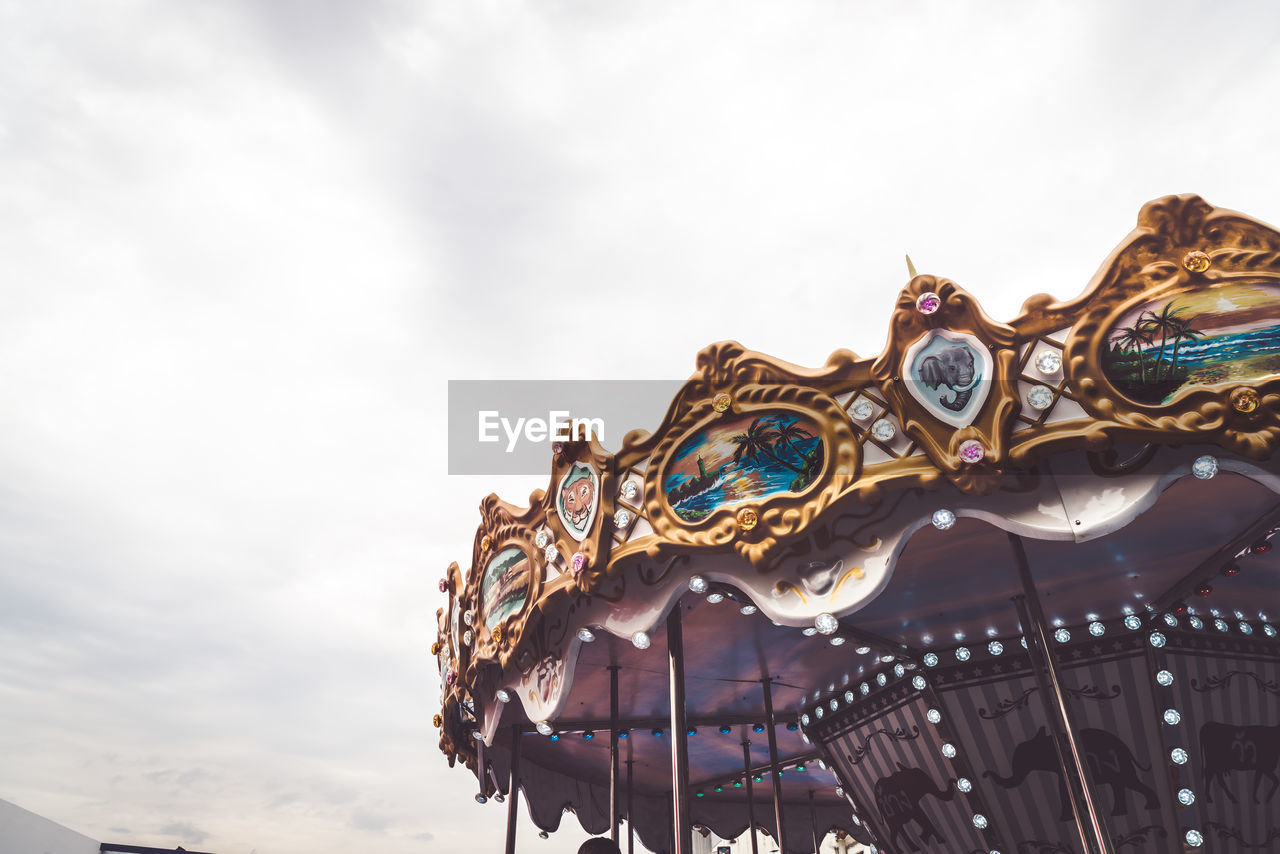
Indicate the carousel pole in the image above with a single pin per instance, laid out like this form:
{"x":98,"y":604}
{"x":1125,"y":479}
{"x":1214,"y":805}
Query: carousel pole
{"x":613,"y":752}
{"x":513,"y":790}
{"x":631,"y":827}
{"x":682,"y":830}
{"x":1032,"y":615}
{"x":773,"y":761}
{"x":813,"y":822}
{"x":751,"y":802}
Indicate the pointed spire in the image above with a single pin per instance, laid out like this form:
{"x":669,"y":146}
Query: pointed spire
{"x":911,"y":268}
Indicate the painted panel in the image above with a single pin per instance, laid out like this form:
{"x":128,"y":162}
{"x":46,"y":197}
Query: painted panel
{"x":743,"y":458}
{"x":1227,"y":334}
{"x":577,"y":499}
{"x":505,"y":587}
{"x":949,"y":374}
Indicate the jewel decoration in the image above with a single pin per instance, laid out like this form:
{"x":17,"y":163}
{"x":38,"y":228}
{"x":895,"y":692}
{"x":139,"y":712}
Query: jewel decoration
{"x":995,"y":647}
{"x":863,"y":409}
{"x":1171,"y":717}
{"x":1205,"y":467}
{"x":1062,"y":635}
{"x":971,"y":452}
{"x":437,"y":721}
{"x":542,"y":539}
{"x":630,"y":489}
{"x":1097,"y":629}
{"x":1245,"y":400}
{"x":747,"y":519}
{"x":551,"y":553}
{"x":622,"y":519}
{"x":485,"y":543}
{"x":1186,"y":797}
{"x":826,"y":623}
{"x":962,"y":653}
{"x":943,"y":519}
{"x":444,"y":586}
{"x":697,"y":584}
{"x":1039,"y":397}
{"x":1178,"y":755}
{"x":640,"y":640}
{"x":928,"y":303}
{"x":721,"y":402}
{"x":1049,"y":362}
{"x":578,"y":562}
{"x":1165,"y":678}
{"x":1195,"y":261}
{"x":545,"y":727}
{"x":498,"y":634}
{"x":884,"y":430}
{"x":949,"y":750}
{"x":1157,"y":640}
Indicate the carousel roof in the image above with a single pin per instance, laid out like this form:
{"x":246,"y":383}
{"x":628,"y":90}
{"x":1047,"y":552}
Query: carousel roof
{"x":877,"y":540}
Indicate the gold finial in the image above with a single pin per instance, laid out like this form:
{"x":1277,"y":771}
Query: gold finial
{"x":911,"y":268}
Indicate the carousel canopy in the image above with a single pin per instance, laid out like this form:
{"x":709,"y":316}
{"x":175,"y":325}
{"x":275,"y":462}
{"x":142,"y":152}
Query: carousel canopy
{"x":1006,"y":586}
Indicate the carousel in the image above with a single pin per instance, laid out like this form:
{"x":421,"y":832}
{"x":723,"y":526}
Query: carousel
{"x":1004,"y":587}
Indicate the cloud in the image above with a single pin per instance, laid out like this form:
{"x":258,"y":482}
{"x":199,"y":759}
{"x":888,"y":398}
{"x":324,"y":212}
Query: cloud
{"x":246,"y":246}
{"x":185,"y":831}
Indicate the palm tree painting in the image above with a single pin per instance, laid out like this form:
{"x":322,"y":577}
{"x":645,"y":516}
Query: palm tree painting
{"x":740,"y":459}
{"x":1222,"y":335}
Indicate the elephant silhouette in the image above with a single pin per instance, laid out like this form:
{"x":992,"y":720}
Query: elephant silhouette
{"x":951,"y":367}
{"x":1110,"y":762}
{"x":1224,"y":747}
{"x":898,"y":799}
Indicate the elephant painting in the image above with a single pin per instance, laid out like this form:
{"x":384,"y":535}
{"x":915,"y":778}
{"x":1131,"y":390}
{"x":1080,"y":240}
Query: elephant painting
{"x":1224,"y":747}
{"x":950,"y":367}
{"x":898,"y":799}
{"x":1110,"y":762}
{"x":949,"y":374}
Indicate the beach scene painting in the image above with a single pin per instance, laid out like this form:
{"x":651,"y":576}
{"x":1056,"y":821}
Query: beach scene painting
{"x":1228,"y":334}
{"x":505,"y":586}
{"x":740,"y":459}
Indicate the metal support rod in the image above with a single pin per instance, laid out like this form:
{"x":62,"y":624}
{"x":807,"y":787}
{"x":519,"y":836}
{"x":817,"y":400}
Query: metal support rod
{"x":1033,"y":618}
{"x":682,"y":829}
{"x":631,"y":825}
{"x":513,"y":790}
{"x":751,"y":803}
{"x":813,"y":822}
{"x":773,"y":761}
{"x":613,"y":753}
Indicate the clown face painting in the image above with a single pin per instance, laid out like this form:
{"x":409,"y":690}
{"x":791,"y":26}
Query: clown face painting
{"x":577,"y":500}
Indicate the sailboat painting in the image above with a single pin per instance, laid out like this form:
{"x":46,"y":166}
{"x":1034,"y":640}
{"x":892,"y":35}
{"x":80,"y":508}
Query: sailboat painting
{"x":1227,"y":334}
{"x":742,"y":458}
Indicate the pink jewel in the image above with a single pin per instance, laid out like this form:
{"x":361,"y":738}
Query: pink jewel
{"x":579,"y":561}
{"x":444,"y":586}
{"x":971,"y":451}
{"x":557,"y":447}
{"x":450,"y":678}
{"x":928,"y":303}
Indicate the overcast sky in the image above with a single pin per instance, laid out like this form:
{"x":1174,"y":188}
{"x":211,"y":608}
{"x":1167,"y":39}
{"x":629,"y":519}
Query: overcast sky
{"x":243,"y":247}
